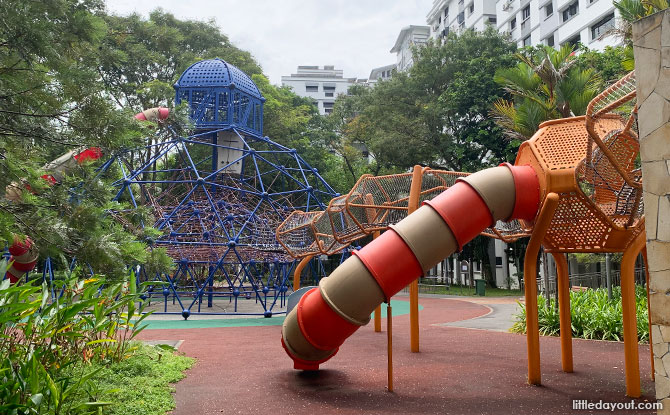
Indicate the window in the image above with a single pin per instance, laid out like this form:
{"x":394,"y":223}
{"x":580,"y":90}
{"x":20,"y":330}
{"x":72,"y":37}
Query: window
{"x":471,"y":8}
{"x":312,"y":88}
{"x":548,"y":10}
{"x":526,"y":41}
{"x":446,"y":12}
{"x":525,"y":18}
{"x":439,"y":20}
{"x":571,"y":11}
{"x":445,"y":32}
{"x":329,"y":94}
{"x":327,"y":104}
{"x":499,"y":261}
{"x":550,"y":40}
{"x":492,"y":20}
{"x":328,"y":111}
{"x":461,"y":17}
{"x":512,"y":24}
{"x":573,"y":41}
{"x":602,"y":27}
{"x":329,"y":88}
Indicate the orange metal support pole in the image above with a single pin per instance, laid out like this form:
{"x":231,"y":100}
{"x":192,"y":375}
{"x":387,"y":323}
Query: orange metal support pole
{"x":378,"y":319}
{"x":412,"y":205}
{"x":378,"y":310}
{"x":298,"y":270}
{"x":651,"y":350}
{"x":563,"y":288}
{"x":629,"y":316}
{"x":530,"y":284}
{"x":389,"y":337}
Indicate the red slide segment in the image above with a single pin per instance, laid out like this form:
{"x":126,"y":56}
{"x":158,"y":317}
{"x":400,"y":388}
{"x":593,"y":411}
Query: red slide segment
{"x":326,"y":316}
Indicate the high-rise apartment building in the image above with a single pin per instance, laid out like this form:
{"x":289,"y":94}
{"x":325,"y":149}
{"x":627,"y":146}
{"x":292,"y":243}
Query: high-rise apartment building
{"x":322,"y":84}
{"x":381,"y":74}
{"x":557,"y":22}
{"x":454,"y":15}
{"x":409,"y":36}
{"x":530,"y":22}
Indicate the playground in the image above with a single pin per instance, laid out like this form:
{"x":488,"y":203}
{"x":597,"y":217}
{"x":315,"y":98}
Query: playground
{"x":295,"y":298}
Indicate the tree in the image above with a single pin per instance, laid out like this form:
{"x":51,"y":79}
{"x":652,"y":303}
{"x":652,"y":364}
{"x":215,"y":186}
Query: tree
{"x":140,"y":60}
{"x":438,"y":113}
{"x":610,"y":65}
{"x":52,"y":101}
{"x":632,"y":10}
{"x":545,"y":84}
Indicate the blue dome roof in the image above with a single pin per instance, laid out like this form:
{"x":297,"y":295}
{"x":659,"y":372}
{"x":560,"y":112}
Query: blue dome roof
{"x":217,"y":73}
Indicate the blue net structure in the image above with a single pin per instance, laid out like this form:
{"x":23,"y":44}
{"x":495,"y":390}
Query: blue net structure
{"x":218,"y":195}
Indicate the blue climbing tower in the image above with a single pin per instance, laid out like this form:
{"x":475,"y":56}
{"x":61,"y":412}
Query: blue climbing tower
{"x":217,"y":195}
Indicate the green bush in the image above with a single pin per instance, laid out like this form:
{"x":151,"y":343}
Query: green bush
{"x":593,"y":315}
{"x":50,"y":351}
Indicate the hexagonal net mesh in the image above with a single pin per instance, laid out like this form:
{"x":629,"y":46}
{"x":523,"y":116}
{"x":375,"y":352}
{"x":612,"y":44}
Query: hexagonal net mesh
{"x":208,"y":212}
{"x":372,"y":205}
{"x":610,"y":175}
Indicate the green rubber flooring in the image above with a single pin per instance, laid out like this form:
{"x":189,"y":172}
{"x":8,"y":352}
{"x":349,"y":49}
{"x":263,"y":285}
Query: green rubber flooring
{"x":400,"y":307}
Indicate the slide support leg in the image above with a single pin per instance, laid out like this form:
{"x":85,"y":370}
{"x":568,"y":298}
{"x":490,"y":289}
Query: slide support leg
{"x":413,"y":204}
{"x":530,"y":285}
{"x":298,"y":270}
{"x":563,"y":287}
{"x":630,"y":317}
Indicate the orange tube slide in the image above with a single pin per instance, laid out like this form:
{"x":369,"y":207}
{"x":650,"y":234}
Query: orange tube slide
{"x":328,"y":314}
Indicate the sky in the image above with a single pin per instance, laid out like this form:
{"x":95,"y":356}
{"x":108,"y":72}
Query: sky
{"x":353,"y":35}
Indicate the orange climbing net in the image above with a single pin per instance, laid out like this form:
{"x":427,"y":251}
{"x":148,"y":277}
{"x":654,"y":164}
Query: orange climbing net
{"x":374,"y":203}
{"x":590,"y":161}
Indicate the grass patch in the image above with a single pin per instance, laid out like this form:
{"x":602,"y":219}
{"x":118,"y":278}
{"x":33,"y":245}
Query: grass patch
{"x":467,"y":291}
{"x":141,"y":384}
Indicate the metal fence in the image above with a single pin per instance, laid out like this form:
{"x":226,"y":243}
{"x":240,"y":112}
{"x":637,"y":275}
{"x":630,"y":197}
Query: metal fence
{"x":590,"y":280}
{"x":436,"y":282}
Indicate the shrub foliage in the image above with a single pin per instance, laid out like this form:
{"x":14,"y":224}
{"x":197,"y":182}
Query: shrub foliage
{"x":594,"y":316}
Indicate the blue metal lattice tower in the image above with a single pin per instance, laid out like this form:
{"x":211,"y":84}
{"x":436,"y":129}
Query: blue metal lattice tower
{"x":218,"y":195}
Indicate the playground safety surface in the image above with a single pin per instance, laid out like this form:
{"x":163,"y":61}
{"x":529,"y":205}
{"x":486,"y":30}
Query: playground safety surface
{"x":244,"y":370}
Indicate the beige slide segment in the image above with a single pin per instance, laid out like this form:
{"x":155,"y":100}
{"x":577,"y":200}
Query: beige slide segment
{"x":424,"y":231}
{"x":489,"y":185}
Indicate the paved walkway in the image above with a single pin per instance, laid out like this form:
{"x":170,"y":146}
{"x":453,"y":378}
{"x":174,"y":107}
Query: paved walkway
{"x":458,"y":371}
{"x":499,"y":318}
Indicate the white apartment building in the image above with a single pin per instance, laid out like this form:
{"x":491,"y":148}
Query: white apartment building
{"x":455,"y":15}
{"x":409,"y":36}
{"x":530,"y":22}
{"x":557,"y":22}
{"x":381,"y":74}
{"x":321,"y":84}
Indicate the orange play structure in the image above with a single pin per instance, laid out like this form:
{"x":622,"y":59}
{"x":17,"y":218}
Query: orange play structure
{"x":575,"y":187}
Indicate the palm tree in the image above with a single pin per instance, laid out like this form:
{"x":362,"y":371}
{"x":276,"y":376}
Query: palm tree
{"x":632,"y":10}
{"x":544,"y":85}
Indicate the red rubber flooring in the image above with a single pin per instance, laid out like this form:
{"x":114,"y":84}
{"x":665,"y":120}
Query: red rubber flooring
{"x":458,"y":371}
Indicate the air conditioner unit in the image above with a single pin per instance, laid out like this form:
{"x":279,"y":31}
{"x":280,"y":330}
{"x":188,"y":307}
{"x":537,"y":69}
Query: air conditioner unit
{"x":507,"y":5}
